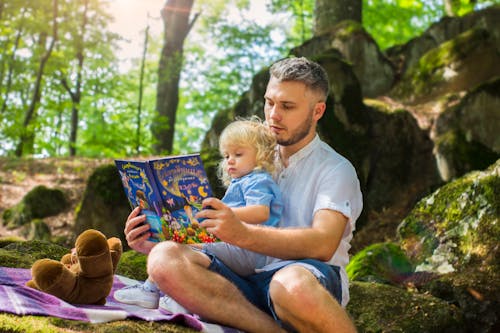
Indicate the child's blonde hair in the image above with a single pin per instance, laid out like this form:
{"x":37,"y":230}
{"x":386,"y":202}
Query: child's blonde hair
{"x":250,"y":132}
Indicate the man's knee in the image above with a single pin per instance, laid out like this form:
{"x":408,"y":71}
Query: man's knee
{"x":292,"y":284}
{"x":164,"y":257}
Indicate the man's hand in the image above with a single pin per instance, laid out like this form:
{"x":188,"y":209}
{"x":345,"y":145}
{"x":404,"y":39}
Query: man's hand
{"x":221,"y":221}
{"x":137,"y":232}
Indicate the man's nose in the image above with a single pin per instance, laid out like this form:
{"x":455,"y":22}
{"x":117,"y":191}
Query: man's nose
{"x":274,"y":114}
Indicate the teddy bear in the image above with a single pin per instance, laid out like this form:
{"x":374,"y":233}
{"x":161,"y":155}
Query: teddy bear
{"x":84,"y":276}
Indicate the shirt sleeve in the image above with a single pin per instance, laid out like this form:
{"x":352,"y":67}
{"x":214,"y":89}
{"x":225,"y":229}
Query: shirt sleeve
{"x":258,"y":190}
{"x":339,"y":190}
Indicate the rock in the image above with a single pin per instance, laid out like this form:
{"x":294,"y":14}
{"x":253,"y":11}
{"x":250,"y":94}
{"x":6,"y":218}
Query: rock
{"x":456,"y":226}
{"x":407,"y":55}
{"x":104,"y":206}
{"x":37,"y":229}
{"x":454,"y":232}
{"x":354,"y":45}
{"x":378,"y":307}
{"x":40,"y":202}
{"x":380,"y":262}
{"x":459,"y":64}
{"x":466,"y":134}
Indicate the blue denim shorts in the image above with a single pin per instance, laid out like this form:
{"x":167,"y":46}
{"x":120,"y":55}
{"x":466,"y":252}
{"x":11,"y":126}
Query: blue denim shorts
{"x":255,"y":287}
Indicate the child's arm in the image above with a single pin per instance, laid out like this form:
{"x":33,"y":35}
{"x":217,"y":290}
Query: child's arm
{"x":253,"y":214}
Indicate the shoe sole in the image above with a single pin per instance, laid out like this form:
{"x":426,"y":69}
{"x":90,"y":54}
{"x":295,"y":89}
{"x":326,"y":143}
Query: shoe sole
{"x":139,"y":303}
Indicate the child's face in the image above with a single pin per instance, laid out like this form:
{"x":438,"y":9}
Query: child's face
{"x":240,"y":160}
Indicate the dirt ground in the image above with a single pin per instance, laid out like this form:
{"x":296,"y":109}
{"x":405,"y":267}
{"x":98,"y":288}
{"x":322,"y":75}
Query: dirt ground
{"x":19,"y":175}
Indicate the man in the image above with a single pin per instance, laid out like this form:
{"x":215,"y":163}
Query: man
{"x":322,"y":201}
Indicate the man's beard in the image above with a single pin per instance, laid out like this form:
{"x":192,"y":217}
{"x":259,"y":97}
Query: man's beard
{"x":300,"y":133}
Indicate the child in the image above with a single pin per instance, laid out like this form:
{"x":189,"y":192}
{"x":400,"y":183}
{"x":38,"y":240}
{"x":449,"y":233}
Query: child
{"x":248,"y":150}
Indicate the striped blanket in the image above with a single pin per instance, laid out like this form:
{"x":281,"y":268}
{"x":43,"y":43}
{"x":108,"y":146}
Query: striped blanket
{"x":17,"y":299}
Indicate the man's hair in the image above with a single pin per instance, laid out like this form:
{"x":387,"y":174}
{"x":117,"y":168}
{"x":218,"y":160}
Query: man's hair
{"x":302,"y":70}
{"x":250,"y":132}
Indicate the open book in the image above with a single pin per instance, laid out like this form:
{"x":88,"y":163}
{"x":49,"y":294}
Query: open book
{"x":169,"y":191}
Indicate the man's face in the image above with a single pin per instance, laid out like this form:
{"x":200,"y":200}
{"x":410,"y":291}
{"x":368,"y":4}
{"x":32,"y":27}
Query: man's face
{"x":291,"y":112}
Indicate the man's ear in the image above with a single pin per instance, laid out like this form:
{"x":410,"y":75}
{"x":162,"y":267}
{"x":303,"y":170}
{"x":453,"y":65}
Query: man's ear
{"x":319,"y":110}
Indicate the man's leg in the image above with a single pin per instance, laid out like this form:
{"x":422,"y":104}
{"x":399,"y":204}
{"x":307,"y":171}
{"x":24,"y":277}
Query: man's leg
{"x":301,"y":301}
{"x":183,"y":274}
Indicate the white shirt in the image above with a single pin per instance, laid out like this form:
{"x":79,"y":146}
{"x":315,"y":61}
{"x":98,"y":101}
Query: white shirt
{"x":317,"y":177}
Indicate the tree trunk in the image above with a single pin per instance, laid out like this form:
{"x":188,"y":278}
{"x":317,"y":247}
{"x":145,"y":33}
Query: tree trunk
{"x":10,"y":62}
{"x":176,"y":24}
{"x":141,"y":90}
{"x":77,"y":94}
{"x":327,"y":13}
{"x":26,"y":139}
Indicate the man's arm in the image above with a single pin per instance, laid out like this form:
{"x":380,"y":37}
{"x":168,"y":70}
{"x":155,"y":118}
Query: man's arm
{"x":318,"y":242}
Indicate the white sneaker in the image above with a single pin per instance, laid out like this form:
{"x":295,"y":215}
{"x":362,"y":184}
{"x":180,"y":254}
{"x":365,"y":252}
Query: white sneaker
{"x":137,"y":295}
{"x":167,"y":303}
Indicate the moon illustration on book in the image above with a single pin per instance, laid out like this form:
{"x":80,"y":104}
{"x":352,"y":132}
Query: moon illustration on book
{"x":202,"y":192}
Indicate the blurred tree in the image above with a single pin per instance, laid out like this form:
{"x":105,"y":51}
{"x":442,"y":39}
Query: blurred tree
{"x":176,"y":23}
{"x":327,"y":13}
{"x":27,"y":136}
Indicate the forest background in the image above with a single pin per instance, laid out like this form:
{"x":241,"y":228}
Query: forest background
{"x":66,"y":90}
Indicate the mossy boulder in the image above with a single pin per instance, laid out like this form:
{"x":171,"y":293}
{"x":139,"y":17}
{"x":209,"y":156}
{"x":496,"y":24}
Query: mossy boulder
{"x":104,"y":206}
{"x":457,"y":226}
{"x":37,"y":229}
{"x":22,"y":254}
{"x":354,"y":45}
{"x":380,"y":262}
{"x":38,"y":203}
{"x":465,"y":134}
{"x":475,"y":292}
{"x":454,"y":232}
{"x":133,"y":265}
{"x":378,"y":307}
{"x":457,"y":64}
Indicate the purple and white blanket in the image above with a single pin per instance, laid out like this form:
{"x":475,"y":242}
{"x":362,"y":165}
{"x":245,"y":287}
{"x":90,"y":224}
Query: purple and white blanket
{"x":18,"y":299}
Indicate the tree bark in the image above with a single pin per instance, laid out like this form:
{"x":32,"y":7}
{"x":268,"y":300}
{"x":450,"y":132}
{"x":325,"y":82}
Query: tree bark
{"x":176,"y":24}
{"x":76,"y":95}
{"x":327,"y":13}
{"x":26,"y":139}
{"x":141,"y":90}
{"x":10,"y":62}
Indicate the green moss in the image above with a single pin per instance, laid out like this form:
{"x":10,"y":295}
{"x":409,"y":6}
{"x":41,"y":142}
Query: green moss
{"x":105,"y":181}
{"x":428,"y":73}
{"x":346,"y":28}
{"x":40,"y":202}
{"x":380,"y":262}
{"x":23,"y":254}
{"x":382,"y":107}
{"x":456,"y":225}
{"x":133,"y":265}
{"x":32,"y":324}
{"x":406,"y":312}
{"x":37,"y":229}
{"x":4,"y":241}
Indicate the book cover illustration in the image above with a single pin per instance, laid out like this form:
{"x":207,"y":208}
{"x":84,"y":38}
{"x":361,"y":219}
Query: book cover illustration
{"x":182,"y":184}
{"x":140,"y":191}
{"x":169,"y":191}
